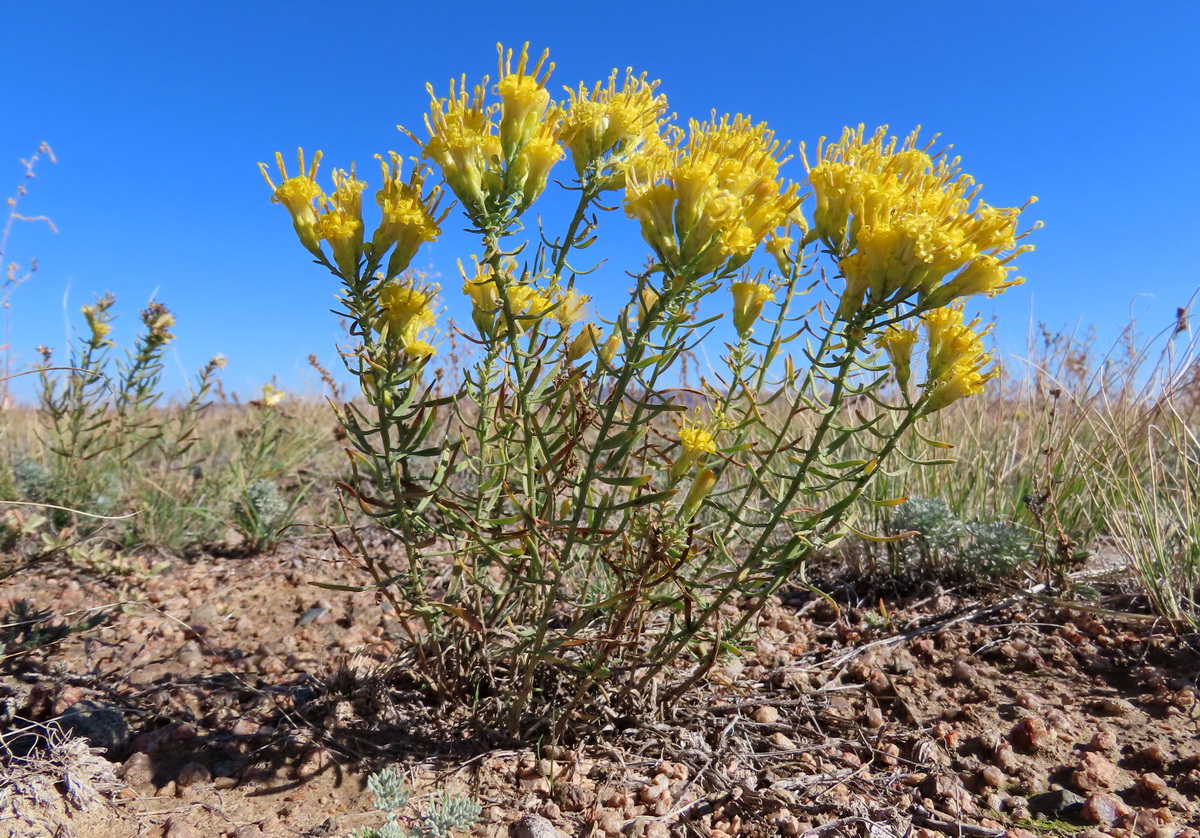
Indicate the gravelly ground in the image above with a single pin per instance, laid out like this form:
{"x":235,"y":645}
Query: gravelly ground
{"x":238,"y":700}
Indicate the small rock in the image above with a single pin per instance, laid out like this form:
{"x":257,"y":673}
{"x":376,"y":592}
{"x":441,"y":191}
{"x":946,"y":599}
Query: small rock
{"x":782,"y":742}
{"x":1102,"y":808}
{"x":68,"y":696}
{"x":961,"y":670}
{"x":610,"y":822}
{"x":1030,"y":734}
{"x":102,"y":725}
{"x":535,"y":826}
{"x":1154,"y":755}
{"x":189,"y":654}
{"x":192,"y":774}
{"x":1151,"y":785}
{"x":204,"y":614}
{"x":179,"y":829}
{"x":1112,"y":706}
{"x":1055,"y":803}
{"x":874,"y":717}
{"x":138,"y":773}
{"x":1104,"y":740}
{"x":766,"y":715}
{"x":991,"y":777}
{"x":1095,"y":773}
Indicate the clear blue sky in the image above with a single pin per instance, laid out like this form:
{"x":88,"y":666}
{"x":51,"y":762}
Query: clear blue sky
{"x":158,"y":113}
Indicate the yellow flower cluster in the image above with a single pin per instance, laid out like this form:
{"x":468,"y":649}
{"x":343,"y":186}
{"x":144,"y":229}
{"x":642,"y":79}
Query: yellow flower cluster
{"x":695,"y":442}
{"x":956,"y":358}
{"x":709,"y":205}
{"x":480,"y":158}
{"x":902,"y":221}
{"x":528,"y":304}
{"x":407,"y":313}
{"x":616,"y":130}
{"x":336,"y":218}
{"x":158,"y":320}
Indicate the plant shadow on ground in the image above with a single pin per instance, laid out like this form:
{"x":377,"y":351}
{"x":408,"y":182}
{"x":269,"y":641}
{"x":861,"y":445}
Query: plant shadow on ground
{"x":885,"y":702}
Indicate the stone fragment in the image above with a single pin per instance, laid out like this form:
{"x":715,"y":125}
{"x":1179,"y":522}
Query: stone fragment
{"x":1101,"y":807}
{"x":1112,"y":706}
{"x":766,"y":715}
{"x":1055,"y":804}
{"x":194,"y":773}
{"x":138,"y":773}
{"x":103,"y":725}
{"x":1030,"y":734}
{"x":534,"y":826}
{"x":1095,"y":773}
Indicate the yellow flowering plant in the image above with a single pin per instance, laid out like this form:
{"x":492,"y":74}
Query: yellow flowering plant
{"x":574,"y":518}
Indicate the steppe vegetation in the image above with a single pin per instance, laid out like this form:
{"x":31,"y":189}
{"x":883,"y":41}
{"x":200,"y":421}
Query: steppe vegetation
{"x":557,"y":575}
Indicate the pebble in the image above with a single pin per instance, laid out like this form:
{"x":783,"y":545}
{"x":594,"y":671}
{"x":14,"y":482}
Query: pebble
{"x":193,"y":774}
{"x":1095,"y":773}
{"x":1104,"y":740}
{"x":535,"y":826}
{"x":1055,"y":803}
{"x":1030,"y":734}
{"x":1112,"y":706}
{"x":189,"y":654}
{"x":1151,"y":785}
{"x":103,"y":725}
{"x":766,"y":715}
{"x":991,"y":777}
{"x":963,"y":671}
{"x":610,"y":822}
{"x":1101,"y":807}
{"x":138,"y":773}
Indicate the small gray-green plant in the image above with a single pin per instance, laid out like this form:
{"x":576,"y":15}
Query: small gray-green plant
{"x":439,"y":818}
{"x":260,"y":514}
{"x":937,"y":530}
{"x":995,"y":549}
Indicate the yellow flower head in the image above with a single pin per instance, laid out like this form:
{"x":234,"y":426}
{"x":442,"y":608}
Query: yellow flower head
{"x":904,"y":220}
{"x":695,"y":442}
{"x":409,"y":214}
{"x":956,"y":358}
{"x":407,"y":312}
{"x":588,"y":340}
{"x":569,"y":307}
{"x":485,"y":297}
{"x":158,"y":320}
{"x":344,"y":233}
{"x":532,"y":167}
{"x":610,"y":348}
{"x":702,"y":486}
{"x":463,"y":142}
{"x":748,"y":301}
{"x":523,"y":97}
{"x":608,"y":128}
{"x":780,"y":248}
{"x":898,"y":342}
{"x":299,"y":195}
{"x":271,"y":395}
{"x":712,"y":205}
